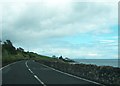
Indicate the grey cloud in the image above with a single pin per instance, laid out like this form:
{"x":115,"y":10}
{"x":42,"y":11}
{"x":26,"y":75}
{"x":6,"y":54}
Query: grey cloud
{"x":36,"y":24}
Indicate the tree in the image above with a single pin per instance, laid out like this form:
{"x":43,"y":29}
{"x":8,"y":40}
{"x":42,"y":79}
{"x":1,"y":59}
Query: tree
{"x":54,"y":56}
{"x":61,"y":57}
{"x":7,"y":45}
{"x":9,"y":42}
{"x":20,"y":49}
{"x":0,"y":41}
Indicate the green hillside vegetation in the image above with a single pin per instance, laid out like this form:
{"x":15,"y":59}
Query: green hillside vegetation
{"x":11,"y":54}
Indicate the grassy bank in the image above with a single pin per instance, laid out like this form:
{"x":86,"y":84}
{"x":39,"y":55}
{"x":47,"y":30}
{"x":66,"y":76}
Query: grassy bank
{"x":12,"y":58}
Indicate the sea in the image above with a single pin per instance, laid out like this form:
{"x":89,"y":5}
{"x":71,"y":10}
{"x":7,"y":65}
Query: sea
{"x":100,"y":62}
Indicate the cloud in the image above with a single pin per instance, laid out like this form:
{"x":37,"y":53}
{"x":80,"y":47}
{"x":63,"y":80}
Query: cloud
{"x":80,"y":53}
{"x":48,"y":21}
{"x":21,"y":1}
{"x":107,"y":41}
{"x":41,"y":27}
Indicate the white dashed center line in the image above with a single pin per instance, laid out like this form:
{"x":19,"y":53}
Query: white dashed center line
{"x":35,"y":76}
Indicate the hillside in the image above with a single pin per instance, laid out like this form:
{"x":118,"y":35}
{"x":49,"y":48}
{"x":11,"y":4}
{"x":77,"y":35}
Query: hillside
{"x":11,"y":54}
{"x":103,"y":74}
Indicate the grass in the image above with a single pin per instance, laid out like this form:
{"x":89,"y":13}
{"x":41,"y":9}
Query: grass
{"x":12,"y":58}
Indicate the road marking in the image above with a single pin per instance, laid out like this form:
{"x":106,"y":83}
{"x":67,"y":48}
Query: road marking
{"x":39,"y":80}
{"x":73,"y":75}
{"x":26,"y":63}
{"x":9,"y":65}
{"x":31,"y":71}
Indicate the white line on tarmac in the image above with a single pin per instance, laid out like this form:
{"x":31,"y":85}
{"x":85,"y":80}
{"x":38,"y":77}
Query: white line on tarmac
{"x":9,"y":65}
{"x":34,"y":74}
{"x":39,"y":80}
{"x":31,"y":71}
{"x":73,"y":75}
{"x":26,"y":64}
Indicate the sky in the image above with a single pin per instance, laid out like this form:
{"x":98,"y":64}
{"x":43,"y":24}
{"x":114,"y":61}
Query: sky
{"x":73,"y":29}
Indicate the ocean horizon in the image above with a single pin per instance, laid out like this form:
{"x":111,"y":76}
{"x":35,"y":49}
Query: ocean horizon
{"x":100,"y":62}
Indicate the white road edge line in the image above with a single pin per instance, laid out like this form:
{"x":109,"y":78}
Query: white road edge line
{"x":34,"y":74}
{"x":73,"y":75}
{"x":9,"y":65}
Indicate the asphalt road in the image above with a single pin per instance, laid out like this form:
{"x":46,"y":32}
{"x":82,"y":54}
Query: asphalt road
{"x":31,"y":72}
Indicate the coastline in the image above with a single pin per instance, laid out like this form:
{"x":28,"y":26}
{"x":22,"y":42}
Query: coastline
{"x":98,"y":62}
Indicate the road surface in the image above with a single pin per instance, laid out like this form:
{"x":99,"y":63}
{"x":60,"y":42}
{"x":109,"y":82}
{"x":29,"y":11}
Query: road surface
{"x":31,"y":72}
